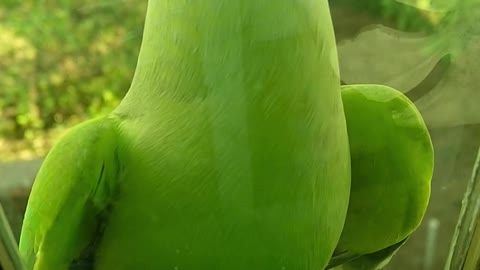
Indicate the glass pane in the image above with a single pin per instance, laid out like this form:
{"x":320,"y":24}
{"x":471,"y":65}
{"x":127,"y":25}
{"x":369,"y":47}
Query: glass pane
{"x":64,"y":62}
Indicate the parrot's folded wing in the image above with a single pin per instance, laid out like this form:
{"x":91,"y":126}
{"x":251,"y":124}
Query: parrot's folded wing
{"x":392,"y":166}
{"x":373,"y":261}
{"x":70,"y":195}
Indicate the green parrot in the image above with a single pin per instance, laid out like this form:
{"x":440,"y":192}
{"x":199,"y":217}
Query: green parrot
{"x":392,"y":167}
{"x":229,"y":151}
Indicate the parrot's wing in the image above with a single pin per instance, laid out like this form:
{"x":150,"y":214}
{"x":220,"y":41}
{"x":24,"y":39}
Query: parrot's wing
{"x":392,"y":167}
{"x":9,"y":257}
{"x":373,"y":261}
{"x":73,"y":188}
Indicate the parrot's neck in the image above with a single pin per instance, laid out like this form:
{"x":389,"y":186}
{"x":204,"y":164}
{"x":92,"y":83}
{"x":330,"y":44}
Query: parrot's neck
{"x":225,"y":48}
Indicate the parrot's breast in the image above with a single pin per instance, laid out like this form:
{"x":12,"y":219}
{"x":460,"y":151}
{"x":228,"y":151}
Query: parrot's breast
{"x":235,"y":144}
{"x":232,"y":189}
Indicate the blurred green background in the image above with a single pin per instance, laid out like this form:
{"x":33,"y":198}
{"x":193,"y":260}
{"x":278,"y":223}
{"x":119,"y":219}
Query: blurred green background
{"x":62,"y":62}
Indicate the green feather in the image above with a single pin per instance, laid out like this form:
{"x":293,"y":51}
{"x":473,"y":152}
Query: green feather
{"x":392,"y":167}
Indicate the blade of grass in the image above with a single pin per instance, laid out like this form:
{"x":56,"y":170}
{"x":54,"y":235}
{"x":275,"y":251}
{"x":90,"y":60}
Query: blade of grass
{"x":9,"y":257}
{"x":465,"y":247}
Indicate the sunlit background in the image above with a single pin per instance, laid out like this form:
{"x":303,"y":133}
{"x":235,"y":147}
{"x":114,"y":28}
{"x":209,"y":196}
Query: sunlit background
{"x":65,"y":61}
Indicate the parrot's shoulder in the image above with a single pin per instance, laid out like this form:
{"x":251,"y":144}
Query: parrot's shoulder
{"x":86,"y":157}
{"x":71,"y":191}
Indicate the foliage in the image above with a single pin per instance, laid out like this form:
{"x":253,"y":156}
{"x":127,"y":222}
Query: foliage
{"x":62,"y":62}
